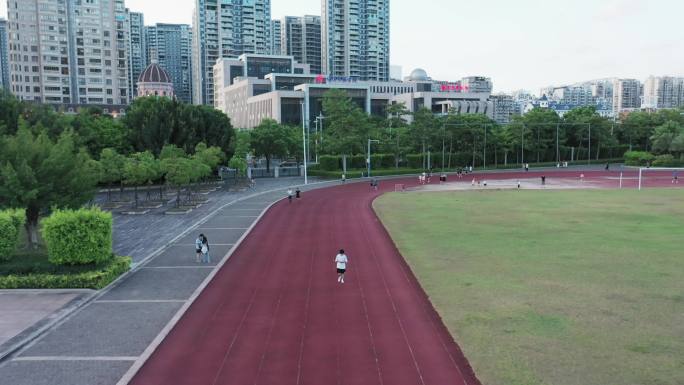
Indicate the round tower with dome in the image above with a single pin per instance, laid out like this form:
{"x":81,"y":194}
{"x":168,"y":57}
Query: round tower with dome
{"x":155,"y":81}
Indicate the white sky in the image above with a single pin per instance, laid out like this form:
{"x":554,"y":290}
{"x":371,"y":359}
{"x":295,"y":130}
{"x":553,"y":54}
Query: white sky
{"x":519,"y":44}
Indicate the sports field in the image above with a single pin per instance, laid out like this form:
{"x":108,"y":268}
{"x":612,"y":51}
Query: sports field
{"x":552,"y":287}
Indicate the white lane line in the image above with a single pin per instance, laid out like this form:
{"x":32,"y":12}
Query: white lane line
{"x":141,"y":301}
{"x":77,"y":358}
{"x":212,"y":244}
{"x":177,"y":267}
{"x":222,"y":228}
{"x":235,"y":216}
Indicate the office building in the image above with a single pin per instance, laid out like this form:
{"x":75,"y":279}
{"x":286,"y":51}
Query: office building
{"x":301,"y":39}
{"x":626,"y":95}
{"x":4,"y":56}
{"x":276,"y":37}
{"x":170,"y":46}
{"x":505,"y":108}
{"x":69,"y":52}
{"x":226,"y":29}
{"x":356,"y":39}
{"x":663,"y":92}
{"x":137,"y":52}
{"x":252,"y":88}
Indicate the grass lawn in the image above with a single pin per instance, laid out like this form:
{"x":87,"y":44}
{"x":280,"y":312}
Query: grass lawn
{"x":552,"y":287}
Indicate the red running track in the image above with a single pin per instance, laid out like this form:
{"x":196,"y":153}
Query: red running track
{"x":275,"y":313}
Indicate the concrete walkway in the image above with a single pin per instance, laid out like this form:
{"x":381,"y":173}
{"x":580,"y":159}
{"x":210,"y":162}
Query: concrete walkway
{"x":98,"y":343}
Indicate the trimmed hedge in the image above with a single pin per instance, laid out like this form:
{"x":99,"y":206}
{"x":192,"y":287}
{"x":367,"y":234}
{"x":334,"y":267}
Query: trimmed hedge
{"x":95,"y":279}
{"x":667,"y":160}
{"x":10,"y":224}
{"x":638,"y":158}
{"x":78,"y":237}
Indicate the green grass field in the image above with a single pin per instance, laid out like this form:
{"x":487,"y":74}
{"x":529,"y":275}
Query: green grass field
{"x":552,"y":287}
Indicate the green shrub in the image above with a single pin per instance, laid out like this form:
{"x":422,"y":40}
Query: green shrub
{"x":78,"y":237}
{"x":10,"y":224}
{"x":94,"y":279}
{"x":638,"y":158}
{"x":666,"y":160}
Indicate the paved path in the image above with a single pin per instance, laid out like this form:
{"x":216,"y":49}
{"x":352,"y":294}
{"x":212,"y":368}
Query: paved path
{"x":274,"y":314}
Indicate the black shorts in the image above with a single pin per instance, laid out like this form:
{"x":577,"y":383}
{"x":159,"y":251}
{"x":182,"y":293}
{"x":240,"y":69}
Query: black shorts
{"x":198,"y":251}
{"x":341,"y":271}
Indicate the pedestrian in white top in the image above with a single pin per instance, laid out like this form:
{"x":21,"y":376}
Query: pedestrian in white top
{"x":289,"y":195}
{"x":341,"y":261}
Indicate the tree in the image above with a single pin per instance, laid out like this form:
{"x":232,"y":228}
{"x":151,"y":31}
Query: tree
{"x":38,"y":174}
{"x":269,"y":139}
{"x":665,"y":135}
{"x":423,"y":130}
{"x":152,"y":123}
{"x":140,"y":168}
{"x":10,"y":111}
{"x":584,"y":121}
{"x":112,"y":164}
{"x":210,"y":156}
{"x":347,"y":125}
{"x":178,"y":173}
{"x":396,"y":120}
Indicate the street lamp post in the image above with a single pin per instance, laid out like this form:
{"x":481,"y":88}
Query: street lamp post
{"x":368,"y":161}
{"x":306,"y":180}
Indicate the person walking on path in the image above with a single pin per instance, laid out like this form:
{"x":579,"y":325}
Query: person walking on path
{"x":289,"y":195}
{"x":675,"y":177}
{"x":341,"y":261}
{"x":298,"y":193}
{"x":198,"y":247}
{"x":344,"y":178}
{"x":205,"y":250}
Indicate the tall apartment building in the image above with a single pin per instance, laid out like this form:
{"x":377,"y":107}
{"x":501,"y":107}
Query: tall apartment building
{"x":276,"y":37}
{"x":4,"y":56}
{"x":171,"y":46}
{"x":663,"y":92}
{"x":356,"y":39}
{"x":137,"y":52}
{"x":68,"y":51}
{"x":626,"y":95}
{"x":504,"y":108}
{"x":301,"y":38}
{"x":226,"y":29}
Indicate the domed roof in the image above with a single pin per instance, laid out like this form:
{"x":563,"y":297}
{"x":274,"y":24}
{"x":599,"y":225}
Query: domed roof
{"x":419,"y":75}
{"x":154,"y":74}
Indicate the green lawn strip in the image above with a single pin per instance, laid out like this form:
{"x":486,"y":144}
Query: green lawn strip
{"x":552,"y":287}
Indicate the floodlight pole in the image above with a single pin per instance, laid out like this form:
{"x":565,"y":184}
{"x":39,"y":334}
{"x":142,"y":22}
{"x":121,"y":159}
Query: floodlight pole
{"x":368,"y":161}
{"x":640,"y":169}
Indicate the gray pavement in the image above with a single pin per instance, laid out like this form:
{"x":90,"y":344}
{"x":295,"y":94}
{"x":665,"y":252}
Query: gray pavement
{"x":102,"y":340}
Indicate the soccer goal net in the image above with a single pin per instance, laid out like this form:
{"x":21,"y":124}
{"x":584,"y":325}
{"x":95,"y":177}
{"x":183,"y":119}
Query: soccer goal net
{"x":660,"y":176}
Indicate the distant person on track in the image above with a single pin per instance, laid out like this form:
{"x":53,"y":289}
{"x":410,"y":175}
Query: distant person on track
{"x":527,"y":167}
{"x":375,"y":184}
{"x":205,"y":250}
{"x":344,"y":178}
{"x":289,"y":195}
{"x":298,"y":193}
{"x":607,"y":166}
{"x":518,"y":185}
{"x":675,"y":177}
{"x":341,"y":261}
{"x":198,"y":247}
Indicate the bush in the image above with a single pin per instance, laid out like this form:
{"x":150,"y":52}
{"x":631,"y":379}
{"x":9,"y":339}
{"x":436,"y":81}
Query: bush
{"x":10,"y":224}
{"x":94,"y":279}
{"x":666,"y":160}
{"x":78,"y":237}
{"x":330,"y":162}
{"x":638,"y":158}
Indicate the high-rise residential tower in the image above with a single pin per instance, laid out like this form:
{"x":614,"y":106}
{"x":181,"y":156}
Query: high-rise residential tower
{"x":626,"y":95}
{"x":275,"y":37}
{"x":301,"y":38}
{"x":137,"y":52}
{"x":68,"y":51}
{"x":356,"y":38}
{"x":171,"y":46}
{"x":4,"y":56}
{"x":226,"y":29}
{"x":663,"y":92}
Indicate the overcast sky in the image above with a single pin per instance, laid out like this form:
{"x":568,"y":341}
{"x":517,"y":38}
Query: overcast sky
{"x":523,"y":44}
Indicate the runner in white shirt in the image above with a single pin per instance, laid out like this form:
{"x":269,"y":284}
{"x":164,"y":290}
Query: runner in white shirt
{"x":341,"y":261}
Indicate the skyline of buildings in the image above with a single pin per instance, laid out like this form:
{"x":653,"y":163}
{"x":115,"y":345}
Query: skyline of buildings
{"x":4,"y":55}
{"x":94,"y":52}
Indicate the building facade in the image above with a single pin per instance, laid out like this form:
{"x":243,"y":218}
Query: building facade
{"x":226,"y":29}
{"x":137,"y":51}
{"x":155,"y":81}
{"x":505,"y":108}
{"x":170,"y":45}
{"x":356,"y":39}
{"x":663,"y":92}
{"x":69,"y":51}
{"x":4,"y":56}
{"x":301,"y":39}
{"x":626,"y":95}
{"x":276,"y":28}
{"x":247,"y":92}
